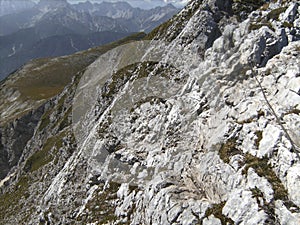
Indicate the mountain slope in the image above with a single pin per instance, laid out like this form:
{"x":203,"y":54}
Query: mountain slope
{"x":69,"y":28}
{"x":203,"y":131}
{"x":27,"y":44}
{"x":81,"y":20}
{"x":32,"y":81}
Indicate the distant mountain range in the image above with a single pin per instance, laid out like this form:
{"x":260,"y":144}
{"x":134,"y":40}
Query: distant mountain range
{"x":56,"y":27}
{"x":14,"y":6}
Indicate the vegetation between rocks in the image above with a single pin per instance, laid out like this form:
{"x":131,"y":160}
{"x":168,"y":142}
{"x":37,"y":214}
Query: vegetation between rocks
{"x":228,"y":149}
{"x":264,"y":169}
{"x":216,"y":210}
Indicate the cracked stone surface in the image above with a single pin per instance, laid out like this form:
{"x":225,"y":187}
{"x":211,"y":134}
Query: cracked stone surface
{"x":214,"y":152}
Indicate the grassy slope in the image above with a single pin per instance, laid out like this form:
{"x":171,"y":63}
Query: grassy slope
{"x":47,"y":77}
{"x":42,"y":79}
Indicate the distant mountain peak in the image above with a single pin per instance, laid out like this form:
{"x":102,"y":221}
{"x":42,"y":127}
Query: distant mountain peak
{"x":122,"y":4}
{"x":168,"y":6}
{"x":52,"y":3}
{"x":86,"y":3}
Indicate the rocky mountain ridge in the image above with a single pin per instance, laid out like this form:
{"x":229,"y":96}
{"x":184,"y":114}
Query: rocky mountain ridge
{"x":8,"y":6}
{"x":223,"y":148}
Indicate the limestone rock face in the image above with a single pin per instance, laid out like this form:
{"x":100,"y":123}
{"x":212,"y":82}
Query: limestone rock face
{"x":14,"y":137}
{"x":209,"y":134}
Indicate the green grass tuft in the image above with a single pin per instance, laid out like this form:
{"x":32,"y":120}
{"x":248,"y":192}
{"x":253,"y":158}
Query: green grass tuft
{"x":228,"y":150}
{"x":216,"y":210}
{"x":275,"y":13}
{"x":258,"y":138}
{"x":263,"y":169}
{"x":256,"y":26}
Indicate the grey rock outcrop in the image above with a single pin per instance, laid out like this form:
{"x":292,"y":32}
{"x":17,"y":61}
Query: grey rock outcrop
{"x":224,"y":149}
{"x":14,"y":137}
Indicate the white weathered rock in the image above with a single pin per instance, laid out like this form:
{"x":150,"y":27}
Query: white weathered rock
{"x":172,"y":148}
{"x":243,"y":208}
{"x":211,"y":220}
{"x":293,"y":182}
{"x":255,"y":181}
{"x":270,"y":137}
{"x":291,"y":13}
{"x":285,"y":217}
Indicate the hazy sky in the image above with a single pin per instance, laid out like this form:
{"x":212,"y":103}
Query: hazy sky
{"x":142,"y":3}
